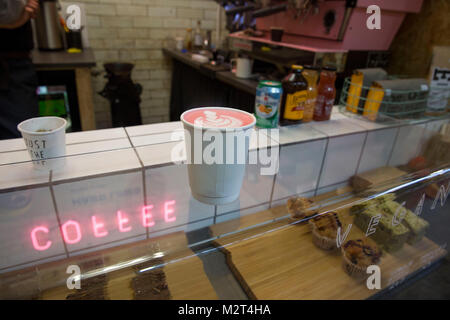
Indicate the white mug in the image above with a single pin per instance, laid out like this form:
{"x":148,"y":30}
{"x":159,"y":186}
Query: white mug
{"x":243,"y":67}
{"x":45,"y":139}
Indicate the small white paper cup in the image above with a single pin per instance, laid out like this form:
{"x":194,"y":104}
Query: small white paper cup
{"x":216,"y":183}
{"x":45,"y":139}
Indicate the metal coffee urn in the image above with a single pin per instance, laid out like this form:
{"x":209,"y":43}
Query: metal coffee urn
{"x":123,"y":94}
{"x":48,"y":29}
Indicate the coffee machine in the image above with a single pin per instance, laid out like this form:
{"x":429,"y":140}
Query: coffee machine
{"x":323,"y":25}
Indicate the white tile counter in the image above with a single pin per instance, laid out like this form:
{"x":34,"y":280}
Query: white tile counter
{"x":120,"y":185}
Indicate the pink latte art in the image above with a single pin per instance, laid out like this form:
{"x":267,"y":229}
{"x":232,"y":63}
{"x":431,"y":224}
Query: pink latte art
{"x":218,"y":118}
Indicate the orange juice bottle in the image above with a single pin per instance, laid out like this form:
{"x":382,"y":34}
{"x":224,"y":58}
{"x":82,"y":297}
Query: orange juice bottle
{"x":311,"y":75}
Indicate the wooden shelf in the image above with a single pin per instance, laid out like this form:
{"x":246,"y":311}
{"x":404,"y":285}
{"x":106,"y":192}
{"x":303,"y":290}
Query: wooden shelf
{"x":285,"y":264}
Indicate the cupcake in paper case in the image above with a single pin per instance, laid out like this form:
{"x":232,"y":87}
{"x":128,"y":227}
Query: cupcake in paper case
{"x":357,"y":255}
{"x":299,"y":208}
{"x":324,"y":230}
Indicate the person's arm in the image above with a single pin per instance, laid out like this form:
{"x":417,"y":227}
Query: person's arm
{"x":29,"y":11}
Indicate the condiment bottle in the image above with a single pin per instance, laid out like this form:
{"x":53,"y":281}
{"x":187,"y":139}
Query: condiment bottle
{"x":311,"y":75}
{"x":295,"y":91}
{"x":188,"y":39}
{"x":326,"y":94}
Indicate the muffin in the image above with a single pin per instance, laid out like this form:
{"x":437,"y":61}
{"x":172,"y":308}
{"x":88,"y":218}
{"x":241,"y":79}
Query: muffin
{"x":299,"y":207}
{"x":358,"y":255}
{"x":324,"y":230}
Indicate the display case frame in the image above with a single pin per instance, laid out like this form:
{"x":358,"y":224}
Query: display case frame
{"x":139,"y":173}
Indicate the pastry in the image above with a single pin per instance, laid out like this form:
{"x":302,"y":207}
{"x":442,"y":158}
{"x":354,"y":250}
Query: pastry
{"x":150,"y":284}
{"x":357,"y":255}
{"x":372,"y":203}
{"x":390,"y":237}
{"x":416,"y":225}
{"x":324,"y":230}
{"x":299,"y":207}
{"x":91,"y":289}
{"x":384,"y":198}
{"x":359,"y":184}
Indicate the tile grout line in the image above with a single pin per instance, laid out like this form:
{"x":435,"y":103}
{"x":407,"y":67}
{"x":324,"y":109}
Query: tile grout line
{"x":422,"y":138}
{"x":89,"y":152}
{"x":68,"y":155}
{"x":24,"y":187}
{"x":362,"y":152}
{"x":144,"y":186}
{"x":55,"y":207}
{"x":393,"y":146}
{"x":144,"y":191}
{"x":322,"y":167}
{"x":20,"y":265}
{"x":343,"y":134}
{"x":273,"y":188}
{"x":94,"y":176}
{"x":71,"y":144}
{"x":275,"y":178}
{"x":155,"y":133}
{"x":107,"y":139}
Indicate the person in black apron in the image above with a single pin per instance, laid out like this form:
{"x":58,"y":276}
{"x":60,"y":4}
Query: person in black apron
{"x":18,"y":80}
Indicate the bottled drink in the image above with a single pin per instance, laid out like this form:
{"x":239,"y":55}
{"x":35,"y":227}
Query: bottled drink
{"x":325,"y":94}
{"x":207,"y":41}
{"x":188,"y":39}
{"x":311,"y":75}
{"x":198,"y":39}
{"x":295,"y":91}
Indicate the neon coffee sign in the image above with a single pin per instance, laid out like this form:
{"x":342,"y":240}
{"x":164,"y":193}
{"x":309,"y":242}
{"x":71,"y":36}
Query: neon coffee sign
{"x":72,"y":231}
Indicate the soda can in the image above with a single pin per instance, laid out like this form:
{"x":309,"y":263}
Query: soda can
{"x":267,"y":103}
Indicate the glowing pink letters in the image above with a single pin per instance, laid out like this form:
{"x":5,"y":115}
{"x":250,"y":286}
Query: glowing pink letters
{"x":147,"y":217}
{"x":97,"y":226}
{"x":169,"y":211}
{"x":68,"y":237}
{"x":35,"y":241}
{"x":72,"y":233}
{"x":122,"y":220}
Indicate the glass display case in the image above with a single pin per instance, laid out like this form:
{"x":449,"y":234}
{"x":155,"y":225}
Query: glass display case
{"x":355,"y":210}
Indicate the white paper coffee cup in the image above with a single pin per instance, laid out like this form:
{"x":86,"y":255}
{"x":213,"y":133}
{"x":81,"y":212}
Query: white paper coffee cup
{"x":211,"y":181}
{"x":45,"y":139}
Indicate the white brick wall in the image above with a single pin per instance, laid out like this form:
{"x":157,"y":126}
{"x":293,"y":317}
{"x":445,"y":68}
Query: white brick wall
{"x":161,"y":12}
{"x":135,"y":31}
